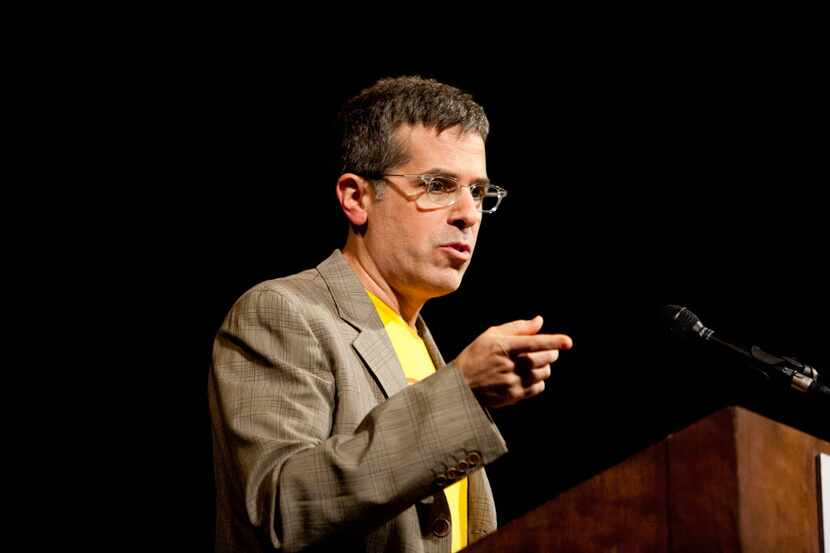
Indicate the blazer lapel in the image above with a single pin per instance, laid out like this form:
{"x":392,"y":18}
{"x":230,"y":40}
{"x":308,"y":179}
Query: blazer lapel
{"x":426,"y":336}
{"x":481,"y":511}
{"x":355,"y":307}
{"x":376,"y":350}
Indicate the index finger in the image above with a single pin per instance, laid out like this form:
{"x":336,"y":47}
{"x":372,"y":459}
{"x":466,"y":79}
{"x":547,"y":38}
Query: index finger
{"x":537,"y":342}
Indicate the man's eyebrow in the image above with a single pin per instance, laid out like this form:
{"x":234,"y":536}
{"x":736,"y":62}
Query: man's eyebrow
{"x":437,"y":171}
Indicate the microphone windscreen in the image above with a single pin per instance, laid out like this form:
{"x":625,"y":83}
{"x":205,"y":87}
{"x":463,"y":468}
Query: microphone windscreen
{"x":679,"y":318}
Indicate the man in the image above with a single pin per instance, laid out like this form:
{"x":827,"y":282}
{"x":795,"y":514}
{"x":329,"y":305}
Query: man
{"x":337,"y":424}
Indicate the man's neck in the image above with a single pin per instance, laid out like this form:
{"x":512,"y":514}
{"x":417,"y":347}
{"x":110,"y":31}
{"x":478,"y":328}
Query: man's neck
{"x":368,"y":274}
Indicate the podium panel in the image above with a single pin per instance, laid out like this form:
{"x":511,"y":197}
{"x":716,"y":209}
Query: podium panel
{"x":734,"y":481}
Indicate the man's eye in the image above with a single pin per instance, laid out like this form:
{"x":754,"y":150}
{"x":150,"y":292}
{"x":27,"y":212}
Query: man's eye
{"x":442,"y":186}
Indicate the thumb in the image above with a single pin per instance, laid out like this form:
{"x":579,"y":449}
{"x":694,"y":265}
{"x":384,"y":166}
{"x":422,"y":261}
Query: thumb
{"x":522,"y":327}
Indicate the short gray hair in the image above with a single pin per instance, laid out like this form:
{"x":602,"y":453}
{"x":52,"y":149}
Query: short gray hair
{"x":367,"y":122}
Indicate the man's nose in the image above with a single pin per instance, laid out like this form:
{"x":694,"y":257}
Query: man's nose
{"x":464,"y":212}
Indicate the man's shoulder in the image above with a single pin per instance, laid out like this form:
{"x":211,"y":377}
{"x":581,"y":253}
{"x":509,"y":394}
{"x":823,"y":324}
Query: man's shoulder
{"x":320,"y":292}
{"x":296,"y":289}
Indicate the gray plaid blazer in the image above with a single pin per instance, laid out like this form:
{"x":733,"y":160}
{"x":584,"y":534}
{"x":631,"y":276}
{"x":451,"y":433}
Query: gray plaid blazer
{"x":320,"y":444}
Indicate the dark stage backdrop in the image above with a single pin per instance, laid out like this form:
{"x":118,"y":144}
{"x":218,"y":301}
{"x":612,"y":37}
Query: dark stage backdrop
{"x":636,"y":179}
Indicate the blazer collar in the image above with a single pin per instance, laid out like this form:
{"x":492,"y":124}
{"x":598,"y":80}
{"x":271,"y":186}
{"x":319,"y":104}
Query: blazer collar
{"x":350,"y":297}
{"x":355,"y":307}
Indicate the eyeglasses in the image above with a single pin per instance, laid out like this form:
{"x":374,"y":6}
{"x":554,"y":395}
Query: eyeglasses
{"x":443,"y":191}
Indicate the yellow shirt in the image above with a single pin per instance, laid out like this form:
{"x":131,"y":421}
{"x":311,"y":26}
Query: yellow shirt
{"x":414,"y":358}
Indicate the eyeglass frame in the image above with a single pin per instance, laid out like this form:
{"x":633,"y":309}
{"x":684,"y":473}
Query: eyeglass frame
{"x":428,"y":178}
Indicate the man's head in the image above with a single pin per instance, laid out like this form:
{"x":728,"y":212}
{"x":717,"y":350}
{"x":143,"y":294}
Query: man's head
{"x":397,"y":137}
{"x":367,"y":122}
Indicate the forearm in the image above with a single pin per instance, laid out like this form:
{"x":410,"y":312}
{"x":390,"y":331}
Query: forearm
{"x":400,"y":454}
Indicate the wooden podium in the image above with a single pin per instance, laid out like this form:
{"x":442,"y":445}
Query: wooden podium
{"x":732,"y":482}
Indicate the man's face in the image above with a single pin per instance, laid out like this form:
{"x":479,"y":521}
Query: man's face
{"x":423,"y":252}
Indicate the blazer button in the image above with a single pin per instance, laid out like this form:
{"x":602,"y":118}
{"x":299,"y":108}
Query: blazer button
{"x":463,"y":465}
{"x":453,"y":473}
{"x":440,"y":482}
{"x":441,"y":527}
{"x":473,"y":458}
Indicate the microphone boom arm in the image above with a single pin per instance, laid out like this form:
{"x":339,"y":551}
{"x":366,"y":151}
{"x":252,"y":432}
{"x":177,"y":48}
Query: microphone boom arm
{"x":801,"y":377}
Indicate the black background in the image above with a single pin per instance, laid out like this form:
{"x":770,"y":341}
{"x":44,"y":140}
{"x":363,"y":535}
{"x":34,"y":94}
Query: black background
{"x":639,"y":175}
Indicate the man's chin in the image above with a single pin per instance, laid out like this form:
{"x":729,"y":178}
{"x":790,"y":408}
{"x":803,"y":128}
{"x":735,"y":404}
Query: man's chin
{"x":449,"y":283}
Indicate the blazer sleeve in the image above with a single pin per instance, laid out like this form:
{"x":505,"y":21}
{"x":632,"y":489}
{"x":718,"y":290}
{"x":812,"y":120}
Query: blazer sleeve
{"x":275,"y":396}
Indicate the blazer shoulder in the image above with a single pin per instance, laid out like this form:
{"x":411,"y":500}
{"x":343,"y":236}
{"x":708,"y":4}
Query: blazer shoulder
{"x":304,"y":293}
{"x":300,"y":286}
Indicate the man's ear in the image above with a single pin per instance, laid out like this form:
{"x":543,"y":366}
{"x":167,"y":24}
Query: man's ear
{"x":353,"y":194}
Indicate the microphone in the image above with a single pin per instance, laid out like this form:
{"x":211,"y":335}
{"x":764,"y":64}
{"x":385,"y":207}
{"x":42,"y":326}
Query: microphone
{"x":796,"y":374}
